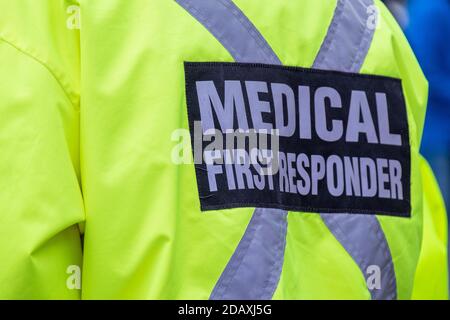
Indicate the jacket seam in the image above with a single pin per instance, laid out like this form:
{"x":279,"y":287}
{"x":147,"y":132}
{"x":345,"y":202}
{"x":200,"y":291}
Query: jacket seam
{"x":67,"y":91}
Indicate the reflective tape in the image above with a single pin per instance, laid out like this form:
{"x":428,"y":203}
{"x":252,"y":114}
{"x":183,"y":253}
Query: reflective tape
{"x":348,"y":38}
{"x":255,"y":267}
{"x":253,"y":271}
{"x":362,"y":237}
{"x":344,"y":49}
{"x":226,"y":22}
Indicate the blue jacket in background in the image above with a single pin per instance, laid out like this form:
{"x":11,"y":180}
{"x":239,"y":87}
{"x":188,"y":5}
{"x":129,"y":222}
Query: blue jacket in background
{"x":429,"y":34}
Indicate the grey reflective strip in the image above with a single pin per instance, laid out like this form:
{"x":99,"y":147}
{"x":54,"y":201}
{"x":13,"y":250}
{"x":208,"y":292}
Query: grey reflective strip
{"x":348,"y":39}
{"x":363,"y":238}
{"x":232,"y":28}
{"x":254,"y":269}
{"x":345,"y":49}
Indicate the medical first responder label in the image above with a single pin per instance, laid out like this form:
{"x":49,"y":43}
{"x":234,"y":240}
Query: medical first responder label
{"x":301,"y":139}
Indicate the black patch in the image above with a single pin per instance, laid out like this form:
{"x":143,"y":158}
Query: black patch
{"x":381,"y":147}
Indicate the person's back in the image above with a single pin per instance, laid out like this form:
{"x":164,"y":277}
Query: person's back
{"x":145,"y":233}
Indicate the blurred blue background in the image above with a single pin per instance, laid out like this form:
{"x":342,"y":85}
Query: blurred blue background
{"x":427,"y":27}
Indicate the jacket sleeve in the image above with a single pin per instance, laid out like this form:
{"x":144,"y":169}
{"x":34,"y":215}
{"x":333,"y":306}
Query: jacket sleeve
{"x":40,"y":198}
{"x":428,"y":27}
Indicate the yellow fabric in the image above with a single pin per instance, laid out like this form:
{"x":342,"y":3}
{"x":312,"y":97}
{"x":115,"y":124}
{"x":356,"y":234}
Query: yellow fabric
{"x":40,"y":197}
{"x":95,"y":110}
{"x":391,"y":55}
{"x":431,"y":281}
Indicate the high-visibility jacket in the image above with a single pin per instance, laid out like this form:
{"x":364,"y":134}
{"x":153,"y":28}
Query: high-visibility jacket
{"x":431,"y":280}
{"x":87,"y":127}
